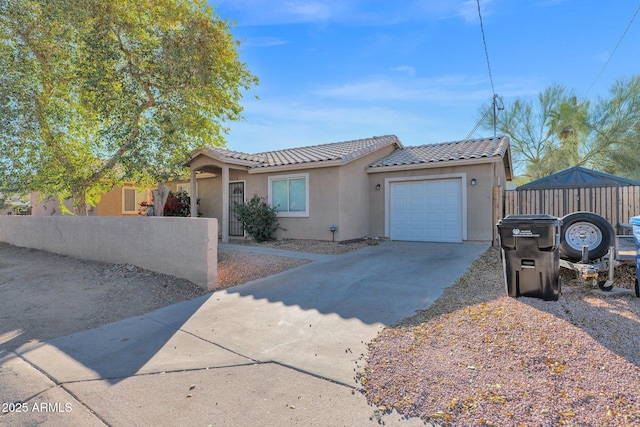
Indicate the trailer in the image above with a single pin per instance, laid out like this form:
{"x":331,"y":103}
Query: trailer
{"x":623,"y":252}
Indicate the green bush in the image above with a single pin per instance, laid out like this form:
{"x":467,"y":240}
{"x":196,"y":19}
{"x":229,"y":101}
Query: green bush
{"x":258,"y":218}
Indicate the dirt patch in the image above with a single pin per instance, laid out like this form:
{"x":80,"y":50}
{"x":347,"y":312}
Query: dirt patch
{"x":44,"y":295}
{"x":478,"y":357}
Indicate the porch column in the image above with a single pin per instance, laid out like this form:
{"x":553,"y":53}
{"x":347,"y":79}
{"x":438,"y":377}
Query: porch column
{"x":225,"y":204}
{"x":194,"y":196}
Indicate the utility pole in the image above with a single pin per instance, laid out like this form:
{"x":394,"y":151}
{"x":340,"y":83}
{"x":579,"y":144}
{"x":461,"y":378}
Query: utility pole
{"x":497,"y":99}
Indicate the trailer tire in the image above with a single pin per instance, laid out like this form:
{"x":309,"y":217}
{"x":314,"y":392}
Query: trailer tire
{"x":602,"y":284}
{"x":585,"y":228}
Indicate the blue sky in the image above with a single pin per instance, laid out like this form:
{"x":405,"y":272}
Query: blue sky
{"x":336,"y":70}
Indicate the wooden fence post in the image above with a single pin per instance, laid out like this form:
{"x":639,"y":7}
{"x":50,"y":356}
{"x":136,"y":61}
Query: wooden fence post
{"x":498,"y":211}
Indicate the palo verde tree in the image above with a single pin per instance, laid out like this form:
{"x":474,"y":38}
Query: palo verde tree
{"x":94,"y":93}
{"x":526,"y":123}
{"x":559,"y":130}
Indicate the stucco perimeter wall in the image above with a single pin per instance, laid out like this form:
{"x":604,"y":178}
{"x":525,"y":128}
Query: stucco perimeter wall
{"x":181,"y":247}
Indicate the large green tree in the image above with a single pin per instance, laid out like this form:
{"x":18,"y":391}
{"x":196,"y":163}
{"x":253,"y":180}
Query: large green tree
{"x":624,"y":159}
{"x":558,"y":130}
{"x":97,"y":92}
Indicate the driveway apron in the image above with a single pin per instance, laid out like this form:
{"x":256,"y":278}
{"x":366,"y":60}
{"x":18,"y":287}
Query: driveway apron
{"x":319,"y":317}
{"x":313,"y":321}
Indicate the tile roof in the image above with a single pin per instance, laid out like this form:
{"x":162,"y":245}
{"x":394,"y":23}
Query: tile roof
{"x":232,"y":155}
{"x":433,"y":153}
{"x":342,"y":151}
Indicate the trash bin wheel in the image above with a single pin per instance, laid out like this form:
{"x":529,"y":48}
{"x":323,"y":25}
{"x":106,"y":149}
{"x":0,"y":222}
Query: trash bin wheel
{"x":602,"y":284}
{"x":585,"y":229}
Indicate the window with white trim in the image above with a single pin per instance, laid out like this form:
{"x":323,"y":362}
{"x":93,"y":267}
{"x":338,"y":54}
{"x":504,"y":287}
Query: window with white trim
{"x":289,"y":194}
{"x":185,"y":187}
{"x":131,"y":199}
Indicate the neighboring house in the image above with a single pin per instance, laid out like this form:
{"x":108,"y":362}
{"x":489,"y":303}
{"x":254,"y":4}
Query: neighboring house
{"x":120,"y":201}
{"x":16,"y":205}
{"x":368,"y":187}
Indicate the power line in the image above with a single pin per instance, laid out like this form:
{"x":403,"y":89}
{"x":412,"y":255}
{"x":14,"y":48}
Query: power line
{"x":486,"y":52}
{"x":478,"y":124}
{"x":614,"y":50}
{"x":495,"y":98}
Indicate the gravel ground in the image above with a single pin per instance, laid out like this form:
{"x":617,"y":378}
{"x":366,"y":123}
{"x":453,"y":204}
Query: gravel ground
{"x":477,"y":357}
{"x":312,"y":246}
{"x":235,"y":267}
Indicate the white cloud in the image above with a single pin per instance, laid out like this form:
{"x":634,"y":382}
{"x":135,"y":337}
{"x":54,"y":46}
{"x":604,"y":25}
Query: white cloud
{"x":285,"y":122}
{"x":405,"y":69}
{"x":308,"y":10}
{"x":307,"y":126}
{"x":469,"y":10}
{"x":268,"y":12}
{"x":452,"y":89}
{"x":264,"y":42}
{"x":448,"y":90}
{"x":355,"y":12}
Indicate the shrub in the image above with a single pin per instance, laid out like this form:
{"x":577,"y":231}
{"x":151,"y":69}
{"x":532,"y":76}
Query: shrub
{"x":258,"y":218}
{"x":178,"y":204}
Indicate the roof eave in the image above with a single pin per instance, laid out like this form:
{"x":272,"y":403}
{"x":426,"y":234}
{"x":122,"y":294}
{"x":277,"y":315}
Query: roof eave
{"x":296,"y":166}
{"x":222,"y":159}
{"x":508,"y":163}
{"x":435,"y":164}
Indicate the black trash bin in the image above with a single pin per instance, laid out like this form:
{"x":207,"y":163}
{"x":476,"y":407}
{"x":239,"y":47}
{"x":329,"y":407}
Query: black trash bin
{"x":530,"y":255}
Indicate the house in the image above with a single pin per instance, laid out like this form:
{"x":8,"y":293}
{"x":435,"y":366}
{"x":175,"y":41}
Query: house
{"x":15,"y":205}
{"x":368,"y":187}
{"x":119,"y":201}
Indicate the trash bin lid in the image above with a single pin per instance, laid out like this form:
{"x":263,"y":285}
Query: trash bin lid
{"x":531,"y":220}
{"x":634,"y":220}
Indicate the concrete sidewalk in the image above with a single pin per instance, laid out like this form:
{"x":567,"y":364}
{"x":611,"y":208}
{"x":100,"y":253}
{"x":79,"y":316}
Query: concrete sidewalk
{"x":279,"y":351}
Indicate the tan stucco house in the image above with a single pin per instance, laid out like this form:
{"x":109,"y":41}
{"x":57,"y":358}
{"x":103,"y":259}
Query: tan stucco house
{"x":119,"y":201}
{"x":367,"y":187}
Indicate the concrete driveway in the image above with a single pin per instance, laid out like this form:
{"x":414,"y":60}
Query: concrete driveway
{"x":282,"y":350}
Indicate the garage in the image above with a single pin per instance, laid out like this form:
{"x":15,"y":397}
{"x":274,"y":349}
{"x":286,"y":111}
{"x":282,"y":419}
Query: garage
{"x":426,"y":210}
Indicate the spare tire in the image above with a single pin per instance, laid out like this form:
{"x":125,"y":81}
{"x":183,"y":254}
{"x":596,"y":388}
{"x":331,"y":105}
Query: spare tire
{"x":585,"y":228}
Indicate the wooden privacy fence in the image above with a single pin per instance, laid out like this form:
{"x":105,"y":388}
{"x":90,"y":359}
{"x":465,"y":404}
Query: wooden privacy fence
{"x":616,"y":204}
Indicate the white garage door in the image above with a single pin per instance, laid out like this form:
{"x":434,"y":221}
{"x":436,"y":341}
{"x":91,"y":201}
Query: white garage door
{"x":429,"y":211}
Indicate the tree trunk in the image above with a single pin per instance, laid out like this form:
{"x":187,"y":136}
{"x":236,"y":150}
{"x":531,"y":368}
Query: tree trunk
{"x":160,"y":199}
{"x":79,"y":203}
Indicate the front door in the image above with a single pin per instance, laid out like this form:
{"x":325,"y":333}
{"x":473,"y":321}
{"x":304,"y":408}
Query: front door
{"x":236,"y":195}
